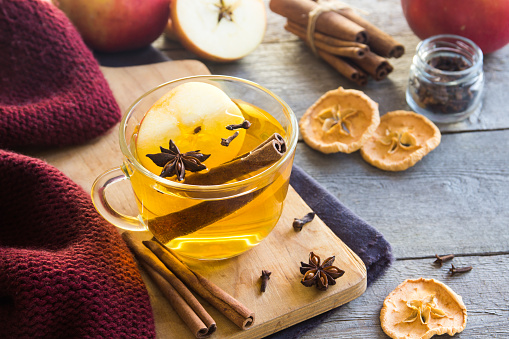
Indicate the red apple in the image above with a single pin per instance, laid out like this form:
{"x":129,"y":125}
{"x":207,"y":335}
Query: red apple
{"x":486,"y":22}
{"x":117,"y":25}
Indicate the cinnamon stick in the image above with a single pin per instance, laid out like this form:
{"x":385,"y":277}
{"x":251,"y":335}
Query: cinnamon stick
{"x":329,"y":40}
{"x":239,"y":314}
{"x":189,"y":309}
{"x":266,"y":154}
{"x":344,"y":68}
{"x":191,"y":219}
{"x":330,"y":22}
{"x":376,"y":66}
{"x":352,"y":52}
{"x":380,"y":42}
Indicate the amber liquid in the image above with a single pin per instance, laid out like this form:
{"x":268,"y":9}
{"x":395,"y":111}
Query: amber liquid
{"x":237,"y":232}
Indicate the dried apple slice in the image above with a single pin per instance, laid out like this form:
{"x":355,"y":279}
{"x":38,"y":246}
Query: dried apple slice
{"x":219,"y":30}
{"x":422,"y":308}
{"x":340,"y":121}
{"x":402,"y":139}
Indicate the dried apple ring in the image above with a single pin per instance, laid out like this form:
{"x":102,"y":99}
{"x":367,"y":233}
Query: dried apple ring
{"x":339,"y":121}
{"x":402,"y":139}
{"x":422,"y":308}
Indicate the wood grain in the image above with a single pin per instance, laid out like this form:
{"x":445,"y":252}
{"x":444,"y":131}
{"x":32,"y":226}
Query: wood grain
{"x":285,"y":65}
{"x":485,"y":297}
{"x":454,"y":199}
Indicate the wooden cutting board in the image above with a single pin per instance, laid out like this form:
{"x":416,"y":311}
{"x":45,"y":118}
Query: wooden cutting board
{"x":286,"y":301}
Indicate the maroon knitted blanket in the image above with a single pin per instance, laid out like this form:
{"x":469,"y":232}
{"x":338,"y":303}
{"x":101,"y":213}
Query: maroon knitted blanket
{"x":64,"y":271}
{"x":51,"y":89}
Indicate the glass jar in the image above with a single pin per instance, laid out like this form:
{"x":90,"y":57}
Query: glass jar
{"x":446,"y":78}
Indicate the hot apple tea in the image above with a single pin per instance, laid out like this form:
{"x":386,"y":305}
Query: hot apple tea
{"x":199,"y":138}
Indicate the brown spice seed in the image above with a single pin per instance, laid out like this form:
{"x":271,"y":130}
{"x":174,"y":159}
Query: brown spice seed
{"x":265,"y":279}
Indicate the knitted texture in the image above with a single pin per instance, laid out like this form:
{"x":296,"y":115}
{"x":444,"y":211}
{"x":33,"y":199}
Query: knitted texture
{"x":52,"y":91}
{"x":64,"y":271}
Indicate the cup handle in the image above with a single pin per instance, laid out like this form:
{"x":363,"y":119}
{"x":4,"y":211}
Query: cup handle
{"x":100,"y":202}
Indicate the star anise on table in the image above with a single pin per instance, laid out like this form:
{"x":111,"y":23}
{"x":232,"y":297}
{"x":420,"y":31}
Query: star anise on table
{"x":322,"y":275}
{"x":175,"y":163}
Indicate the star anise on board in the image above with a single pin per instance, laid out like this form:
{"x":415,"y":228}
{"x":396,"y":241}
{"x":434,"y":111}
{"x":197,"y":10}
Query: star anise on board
{"x":320,"y":275}
{"x":175,"y":163}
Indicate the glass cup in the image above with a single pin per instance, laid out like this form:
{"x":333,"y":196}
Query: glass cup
{"x":234,"y":216}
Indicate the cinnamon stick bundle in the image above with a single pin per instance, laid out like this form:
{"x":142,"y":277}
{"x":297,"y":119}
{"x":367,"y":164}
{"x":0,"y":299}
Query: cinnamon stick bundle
{"x":376,"y":66}
{"x":380,"y":42}
{"x":327,"y":39}
{"x":222,"y":301}
{"x":264,"y":155}
{"x":330,"y":23}
{"x":350,"y":51}
{"x":189,"y":309}
{"x":344,"y":68}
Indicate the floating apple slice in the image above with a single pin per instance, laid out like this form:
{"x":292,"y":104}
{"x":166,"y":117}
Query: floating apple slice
{"x":194,"y":115}
{"x":219,"y":30}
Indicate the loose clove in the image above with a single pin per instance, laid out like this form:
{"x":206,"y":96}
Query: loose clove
{"x":245,"y":125}
{"x":226,"y":142}
{"x":453,"y":270}
{"x":441,"y":259}
{"x":299,"y":223}
{"x":265,"y":279}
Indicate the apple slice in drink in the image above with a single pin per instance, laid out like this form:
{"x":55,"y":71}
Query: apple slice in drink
{"x":194,"y":115}
{"x":219,"y":30}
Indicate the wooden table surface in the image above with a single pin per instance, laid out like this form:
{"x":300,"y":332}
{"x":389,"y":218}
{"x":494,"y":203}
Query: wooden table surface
{"x":456,"y":200}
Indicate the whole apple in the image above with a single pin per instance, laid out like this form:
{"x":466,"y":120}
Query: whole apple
{"x":117,"y":25}
{"x":486,"y":22}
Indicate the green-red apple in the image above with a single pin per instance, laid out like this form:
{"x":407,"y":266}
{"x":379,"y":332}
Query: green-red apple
{"x":486,"y":22}
{"x":117,"y":25}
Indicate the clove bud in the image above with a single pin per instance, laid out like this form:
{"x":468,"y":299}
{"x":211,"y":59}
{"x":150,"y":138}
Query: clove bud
{"x":265,"y":278}
{"x":226,"y":142}
{"x":245,"y":125}
{"x":299,"y":223}
{"x":453,"y":270}
{"x":441,"y":259}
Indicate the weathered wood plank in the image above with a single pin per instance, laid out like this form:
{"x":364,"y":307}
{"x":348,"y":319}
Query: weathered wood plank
{"x":285,"y":65}
{"x":483,"y":293}
{"x":456,"y":199}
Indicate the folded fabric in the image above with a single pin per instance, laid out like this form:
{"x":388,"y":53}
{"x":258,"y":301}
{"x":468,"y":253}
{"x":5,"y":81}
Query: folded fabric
{"x":52,"y":91}
{"x":362,"y":238}
{"x":64,"y":271}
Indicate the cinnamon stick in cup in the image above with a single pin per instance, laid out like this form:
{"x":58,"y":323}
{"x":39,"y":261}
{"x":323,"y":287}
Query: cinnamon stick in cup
{"x":178,"y":295}
{"x":376,"y":66}
{"x":330,"y":22}
{"x":191,"y":219}
{"x":380,"y":42}
{"x":350,"y":51}
{"x":264,"y":155}
{"x":239,"y":314}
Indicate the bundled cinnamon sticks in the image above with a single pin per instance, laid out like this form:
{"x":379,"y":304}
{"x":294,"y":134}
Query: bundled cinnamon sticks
{"x":176,"y":280}
{"x":349,"y":43}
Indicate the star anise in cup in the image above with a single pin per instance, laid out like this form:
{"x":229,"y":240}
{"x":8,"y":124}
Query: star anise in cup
{"x":175,"y":163}
{"x":320,"y":275}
